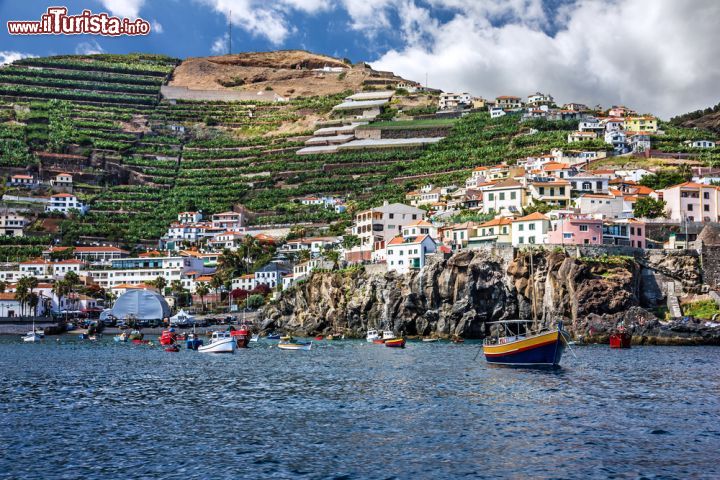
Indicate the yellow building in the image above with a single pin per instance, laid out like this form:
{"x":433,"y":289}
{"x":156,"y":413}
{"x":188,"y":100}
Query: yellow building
{"x":641,"y":124}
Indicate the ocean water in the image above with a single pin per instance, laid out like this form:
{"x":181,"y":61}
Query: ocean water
{"x":348,"y":409}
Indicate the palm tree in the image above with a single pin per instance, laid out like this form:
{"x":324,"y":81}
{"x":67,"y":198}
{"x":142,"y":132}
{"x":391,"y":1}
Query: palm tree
{"x":160,"y":283}
{"x":350,"y":241}
{"x":61,"y":289}
{"x":22,"y":293}
{"x":33,"y":302}
{"x":201,"y":289}
{"x":333,"y":256}
{"x":216,"y":283}
{"x":177,"y":289}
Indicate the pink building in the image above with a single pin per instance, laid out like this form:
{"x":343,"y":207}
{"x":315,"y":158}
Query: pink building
{"x":576,"y":231}
{"x":629,"y":232}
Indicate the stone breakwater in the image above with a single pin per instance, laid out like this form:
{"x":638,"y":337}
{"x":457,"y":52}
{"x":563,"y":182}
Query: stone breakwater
{"x":460,"y":294}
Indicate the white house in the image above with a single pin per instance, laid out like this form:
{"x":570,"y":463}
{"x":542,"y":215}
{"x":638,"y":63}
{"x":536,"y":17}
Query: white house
{"x":605,"y":205}
{"x":505,"y":196}
{"x":316,"y":245}
{"x":421,"y":227}
{"x":12,"y":224}
{"x":380,"y":224}
{"x":62,"y":181}
{"x":408,"y":253}
{"x":271,"y":275}
{"x":579,"y":136}
{"x":450,"y":100}
{"x":587,"y":182}
{"x":189,"y":217}
{"x":228,"y":220}
{"x":537,"y":99}
{"x":530,"y":230}
{"x":64,"y":203}
{"x":23,"y":181}
{"x":244,"y":282}
{"x":700,"y":143}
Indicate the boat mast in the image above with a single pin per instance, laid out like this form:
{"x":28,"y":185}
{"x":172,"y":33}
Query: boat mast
{"x":534,"y":291}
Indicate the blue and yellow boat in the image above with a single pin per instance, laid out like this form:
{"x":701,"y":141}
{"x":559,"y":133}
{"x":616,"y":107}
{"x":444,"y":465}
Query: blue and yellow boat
{"x":518,"y":345}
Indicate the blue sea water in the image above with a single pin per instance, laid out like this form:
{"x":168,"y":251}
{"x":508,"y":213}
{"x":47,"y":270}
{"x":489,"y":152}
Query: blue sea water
{"x":348,"y":410}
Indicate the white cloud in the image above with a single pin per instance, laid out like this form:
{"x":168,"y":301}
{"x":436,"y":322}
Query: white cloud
{"x":7,"y":56}
{"x":261,"y":18}
{"x":157,"y":27}
{"x":124,"y":8}
{"x":658,"y":56}
{"x":88,"y":48}
{"x":219,"y":46}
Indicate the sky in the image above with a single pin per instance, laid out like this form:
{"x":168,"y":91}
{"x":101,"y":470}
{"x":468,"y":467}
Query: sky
{"x":657,"y":56}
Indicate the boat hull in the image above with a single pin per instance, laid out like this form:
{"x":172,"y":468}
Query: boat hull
{"x":224,"y":345}
{"x":395,"y":343}
{"x":295,"y":346}
{"x":544,"y":350}
{"x":620,"y":340}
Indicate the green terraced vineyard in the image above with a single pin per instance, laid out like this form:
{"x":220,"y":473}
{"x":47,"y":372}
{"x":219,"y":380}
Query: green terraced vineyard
{"x":188,"y":155}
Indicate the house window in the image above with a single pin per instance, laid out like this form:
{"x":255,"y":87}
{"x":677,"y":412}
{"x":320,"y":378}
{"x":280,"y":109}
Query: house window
{"x":491,"y":196}
{"x":391,"y":215}
{"x":567,"y":235}
{"x":587,"y":186}
{"x":502,"y":196}
{"x":599,"y":185}
{"x":513,"y":195}
{"x":531,"y":226}
{"x":542,"y":190}
{"x":521,"y":240}
{"x":531,"y":239}
{"x":583,"y":228}
{"x":706,"y":208}
{"x":521,"y":227}
{"x":690,"y":207}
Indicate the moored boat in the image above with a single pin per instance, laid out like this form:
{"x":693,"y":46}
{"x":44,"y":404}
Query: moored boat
{"x":31,"y":337}
{"x":395,"y":343}
{"x":621,"y":337}
{"x":172,"y":348}
{"x":458,"y":340}
{"x":255,"y":338}
{"x":193,"y":341}
{"x":319,"y":338}
{"x":372,"y":335}
{"x":273,"y":336}
{"x":517,"y":344}
{"x":168,"y":337}
{"x":295,"y":345}
{"x":388,"y":335}
{"x":136,"y":335}
{"x":123,"y":337}
{"x":241,"y":336}
{"x":378,"y":341}
{"x":430,"y":340}
{"x":221,"y":342}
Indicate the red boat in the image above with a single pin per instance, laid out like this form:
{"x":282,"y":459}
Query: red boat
{"x":395,"y":343}
{"x":378,"y":340}
{"x":621,"y":337}
{"x":172,"y":348}
{"x":137,"y":341}
{"x":168,"y":337}
{"x":241,"y":335}
{"x":319,"y":337}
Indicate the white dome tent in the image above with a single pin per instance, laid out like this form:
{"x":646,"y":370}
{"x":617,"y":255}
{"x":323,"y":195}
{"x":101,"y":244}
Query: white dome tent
{"x":141,"y":305}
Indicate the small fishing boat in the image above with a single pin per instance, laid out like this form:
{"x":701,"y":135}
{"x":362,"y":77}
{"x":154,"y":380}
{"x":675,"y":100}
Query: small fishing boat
{"x":319,"y":338}
{"x":123,"y":337}
{"x":168,"y":337}
{"x":221,"y":342}
{"x":255,"y":338}
{"x":621,"y":337}
{"x":273,"y":336}
{"x":458,"y":340}
{"x":193,"y":341}
{"x":372,"y":335}
{"x":295,"y":345}
{"x":241,"y":336}
{"x":430,"y":340}
{"x":31,"y":337}
{"x":172,"y":348}
{"x":137,"y":341}
{"x":378,"y":341}
{"x":286,"y":338}
{"x":136,"y":335}
{"x":395,"y":343}
{"x":331,"y":337}
{"x":83,"y":336}
{"x":516,"y":344}
{"x":388,"y":335}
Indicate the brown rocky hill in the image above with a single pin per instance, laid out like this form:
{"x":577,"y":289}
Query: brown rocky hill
{"x":708,"y":119}
{"x":289,"y":73}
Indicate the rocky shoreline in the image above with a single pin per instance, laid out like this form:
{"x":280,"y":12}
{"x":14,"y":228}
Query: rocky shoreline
{"x":459,"y":295}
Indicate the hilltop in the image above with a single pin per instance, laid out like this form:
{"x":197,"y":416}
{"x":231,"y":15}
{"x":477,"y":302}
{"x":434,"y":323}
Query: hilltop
{"x":707,"y":119}
{"x":289,"y":73}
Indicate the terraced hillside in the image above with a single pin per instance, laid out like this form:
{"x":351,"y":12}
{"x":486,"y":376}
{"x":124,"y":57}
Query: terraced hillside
{"x":139,"y":160}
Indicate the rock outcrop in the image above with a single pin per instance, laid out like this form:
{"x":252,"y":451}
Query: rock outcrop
{"x":460,"y":294}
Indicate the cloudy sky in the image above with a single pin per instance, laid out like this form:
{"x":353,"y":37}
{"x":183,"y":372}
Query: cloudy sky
{"x":659,"y":56}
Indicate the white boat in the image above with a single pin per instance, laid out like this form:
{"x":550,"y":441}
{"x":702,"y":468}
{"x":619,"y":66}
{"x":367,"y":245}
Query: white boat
{"x":221,"y":342}
{"x":428,"y":340}
{"x":34,"y":335}
{"x":255,"y":337}
{"x":31,"y":337}
{"x":295,"y":346}
{"x":372,"y":335}
{"x":388,"y":335}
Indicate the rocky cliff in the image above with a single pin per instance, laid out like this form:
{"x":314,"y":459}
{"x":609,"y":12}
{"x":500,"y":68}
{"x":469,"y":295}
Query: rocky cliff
{"x":458,"y":295}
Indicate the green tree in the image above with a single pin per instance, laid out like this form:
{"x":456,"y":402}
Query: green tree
{"x":350,"y":241}
{"x":160,"y":283}
{"x":648,"y":207}
{"x":202,"y":289}
{"x":22,"y":293}
{"x":255,"y":301}
{"x":666,"y":177}
{"x":61,"y":289}
{"x":333,"y":256}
